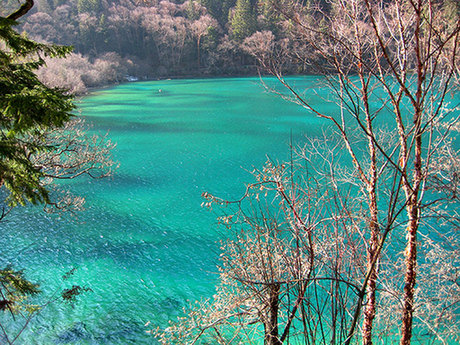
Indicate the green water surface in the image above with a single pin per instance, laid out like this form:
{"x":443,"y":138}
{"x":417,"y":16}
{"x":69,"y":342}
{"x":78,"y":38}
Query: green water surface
{"x":144,"y":246}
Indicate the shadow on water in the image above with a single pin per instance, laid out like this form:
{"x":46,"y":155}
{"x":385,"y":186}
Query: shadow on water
{"x":74,"y":334}
{"x":117,"y":332}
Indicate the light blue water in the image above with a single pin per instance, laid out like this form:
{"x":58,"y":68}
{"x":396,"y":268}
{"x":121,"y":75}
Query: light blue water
{"x":144,"y":245}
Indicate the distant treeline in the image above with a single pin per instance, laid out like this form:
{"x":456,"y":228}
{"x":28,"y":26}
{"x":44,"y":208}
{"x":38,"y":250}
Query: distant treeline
{"x":152,"y":38}
{"x":117,"y":39}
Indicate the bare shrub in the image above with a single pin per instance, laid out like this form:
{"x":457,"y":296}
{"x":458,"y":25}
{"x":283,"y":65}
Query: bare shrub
{"x":77,"y":73}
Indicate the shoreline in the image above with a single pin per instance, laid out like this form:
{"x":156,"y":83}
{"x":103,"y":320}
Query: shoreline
{"x":181,"y":77}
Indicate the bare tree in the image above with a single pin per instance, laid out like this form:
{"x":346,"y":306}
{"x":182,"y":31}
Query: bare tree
{"x":290,"y":271}
{"x":395,"y":61}
{"x":72,"y":153}
{"x":391,"y":67}
{"x":260,"y":44}
{"x":200,"y":28}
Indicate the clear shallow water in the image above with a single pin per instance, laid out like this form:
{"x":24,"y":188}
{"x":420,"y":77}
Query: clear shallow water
{"x":144,"y":245}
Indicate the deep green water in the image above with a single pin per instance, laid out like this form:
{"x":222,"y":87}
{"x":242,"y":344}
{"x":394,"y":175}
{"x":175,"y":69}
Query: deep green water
{"x":144,"y":245}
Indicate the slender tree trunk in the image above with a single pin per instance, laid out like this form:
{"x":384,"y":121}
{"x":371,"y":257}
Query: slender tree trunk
{"x":370,"y":308}
{"x":271,"y":323}
{"x":410,"y":277}
{"x":412,"y":194}
{"x":410,"y":253}
{"x":198,"y":52}
{"x":371,"y":184}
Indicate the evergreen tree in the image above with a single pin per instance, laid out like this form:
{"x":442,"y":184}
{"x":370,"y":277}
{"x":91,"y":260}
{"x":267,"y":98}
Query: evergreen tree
{"x":191,"y":11}
{"x":88,"y":6}
{"x":243,"y":22}
{"x":27,"y":107}
{"x":269,"y":15}
{"x":14,"y":289}
{"x":32,"y":115}
{"x":219,"y":9}
{"x":34,"y":123}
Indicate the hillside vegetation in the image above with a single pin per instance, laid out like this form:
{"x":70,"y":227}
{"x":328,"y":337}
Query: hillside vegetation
{"x":155,"y":39}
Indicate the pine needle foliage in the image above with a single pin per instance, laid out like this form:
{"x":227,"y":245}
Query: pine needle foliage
{"x":27,"y":108}
{"x":14,"y":289}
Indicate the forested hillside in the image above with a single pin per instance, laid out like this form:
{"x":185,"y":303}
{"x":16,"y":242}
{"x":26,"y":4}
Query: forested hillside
{"x":153,"y":38}
{"x":124,"y":39}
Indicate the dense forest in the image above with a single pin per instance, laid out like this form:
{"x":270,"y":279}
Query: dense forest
{"x":122,"y":40}
{"x":154,"y":39}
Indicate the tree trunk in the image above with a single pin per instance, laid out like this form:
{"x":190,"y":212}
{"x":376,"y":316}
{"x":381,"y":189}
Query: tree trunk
{"x":22,"y":11}
{"x":370,"y":308}
{"x":412,"y":194}
{"x":410,"y":276}
{"x":371,"y":184}
{"x":198,"y":52}
{"x":271,"y":322}
{"x":410,"y":253}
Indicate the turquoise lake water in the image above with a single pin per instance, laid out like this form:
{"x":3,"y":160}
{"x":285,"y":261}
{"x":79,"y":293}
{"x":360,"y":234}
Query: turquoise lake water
{"x":144,"y":246}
